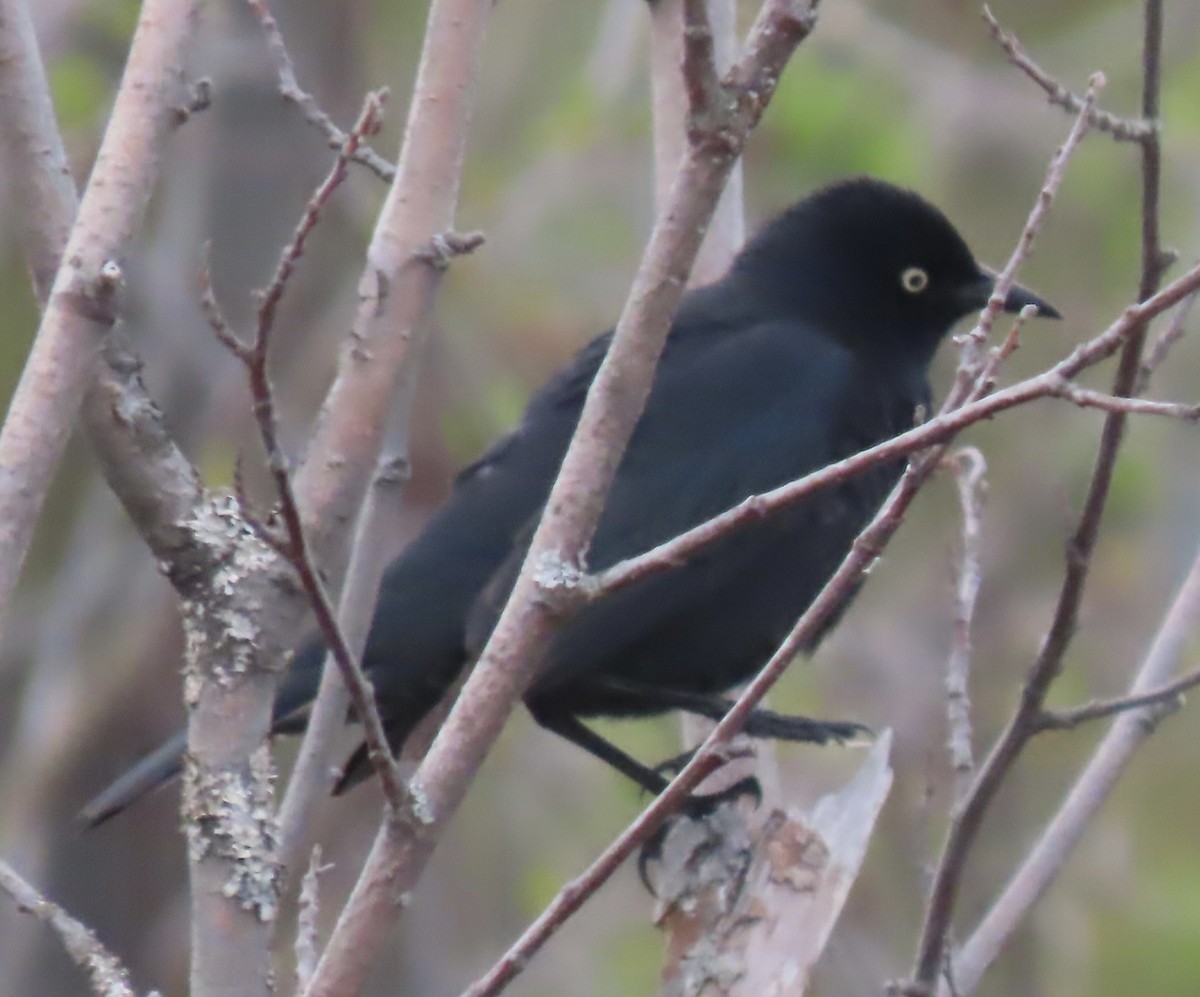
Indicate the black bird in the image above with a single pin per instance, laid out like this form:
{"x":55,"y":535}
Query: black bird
{"x":814,"y":346}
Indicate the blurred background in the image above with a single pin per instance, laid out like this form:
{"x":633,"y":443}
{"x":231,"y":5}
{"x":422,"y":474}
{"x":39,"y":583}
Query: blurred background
{"x":559,"y":177}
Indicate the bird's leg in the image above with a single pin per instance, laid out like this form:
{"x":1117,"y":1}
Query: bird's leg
{"x":574,"y":730}
{"x":695,"y":807}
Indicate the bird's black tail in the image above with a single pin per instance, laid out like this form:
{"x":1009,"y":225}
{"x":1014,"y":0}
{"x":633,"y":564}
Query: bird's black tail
{"x":153,"y":771}
{"x":165,"y":763}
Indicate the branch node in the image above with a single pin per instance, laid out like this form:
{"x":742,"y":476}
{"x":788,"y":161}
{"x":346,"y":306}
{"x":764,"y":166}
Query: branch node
{"x":445,"y":246}
{"x":199,"y":98}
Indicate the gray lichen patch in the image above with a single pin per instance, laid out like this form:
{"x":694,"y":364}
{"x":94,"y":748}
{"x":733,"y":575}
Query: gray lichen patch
{"x":222,"y":590}
{"x":229,"y":817}
{"x":420,"y":805}
{"x":554,"y":572}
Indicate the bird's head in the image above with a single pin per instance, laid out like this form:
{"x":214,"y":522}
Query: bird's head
{"x":877,"y":267}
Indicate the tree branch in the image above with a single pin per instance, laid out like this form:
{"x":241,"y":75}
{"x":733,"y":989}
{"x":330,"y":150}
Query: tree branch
{"x":289,"y":87}
{"x":82,"y":306}
{"x":613,"y":405}
{"x":1129,"y":732}
{"x":294,"y":544}
{"x":1045,"y":668}
{"x":1166,"y":697}
{"x":107,"y":976}
{"x":969,"y":471}
{"x":1122,"y":129}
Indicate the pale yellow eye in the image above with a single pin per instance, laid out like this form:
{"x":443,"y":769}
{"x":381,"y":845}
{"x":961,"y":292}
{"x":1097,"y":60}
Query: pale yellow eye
{"x":914,"y":280}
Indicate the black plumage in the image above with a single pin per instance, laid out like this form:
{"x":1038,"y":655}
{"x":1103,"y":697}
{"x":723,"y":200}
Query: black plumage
{"x":814,"y":346}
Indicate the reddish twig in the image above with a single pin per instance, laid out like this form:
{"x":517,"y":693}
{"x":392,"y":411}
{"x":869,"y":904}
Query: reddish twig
{"x":1122,"y":129}
{"x":1022,"y":726}
{"x":289,"y":87}
{"x":1128,"y":732}
{"x":1168,"y":695}
{"x":370,"y":119}
{"x":294,"y":544}
{"x":613,"y":404}
{"x":327,"y":717}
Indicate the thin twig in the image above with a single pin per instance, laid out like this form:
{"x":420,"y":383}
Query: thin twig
{"x":1022,"y":726}
{"x":107,"y":976}
{"x":1122,"y":129}
{"x":310,"y":773}
{"x":977,"y":369}
{"x":290,"y":87}
{"x":1129,"y":731}
{"x":370,"y":120}
{"x":1089,"y":398}
{"x":295,"y":545}
{"x":931,"y":951}
{"x":614,"y":402}
{"x":969,"y":470}
{"x":307,"y":927}
{"x":845,"y":580}
{"x":1162,"y":345}
{"x":1167,"y":695}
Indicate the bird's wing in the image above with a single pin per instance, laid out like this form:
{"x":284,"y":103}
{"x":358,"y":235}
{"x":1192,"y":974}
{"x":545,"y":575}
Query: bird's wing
{"x":732,"y":416}
{"x":751,"y":412}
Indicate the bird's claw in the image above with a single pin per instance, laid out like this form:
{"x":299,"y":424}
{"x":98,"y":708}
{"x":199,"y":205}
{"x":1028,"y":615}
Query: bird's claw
{"x":697,"y":807}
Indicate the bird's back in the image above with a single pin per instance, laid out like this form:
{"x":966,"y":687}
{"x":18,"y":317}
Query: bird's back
{"x":771,"y":400}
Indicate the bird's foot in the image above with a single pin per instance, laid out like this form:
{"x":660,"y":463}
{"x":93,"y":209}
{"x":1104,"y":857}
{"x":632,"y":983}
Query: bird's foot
{"x":697,"y":807}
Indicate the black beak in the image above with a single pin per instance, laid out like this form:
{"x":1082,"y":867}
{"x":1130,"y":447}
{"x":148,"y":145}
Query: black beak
{"x":976,"y":295}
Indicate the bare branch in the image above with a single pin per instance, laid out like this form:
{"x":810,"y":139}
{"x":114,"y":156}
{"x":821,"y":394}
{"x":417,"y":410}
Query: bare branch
{"x":107,"y":976}
{"x":1167,"y":696}
{"x":1129,"y":731}
{"x":1088,"y":398}
{"x":673,"y":108}
{"x":311,"y":770}
{"x":295,"y":546}
{"x":1162,"y":345}
{"x":397,"y":288}
{"x":307,"y":951}
{"x":81,"y":308}
{"x":290,"y":87}
{"x":699,"y":68}
{"x":976,"y":371}
{"x":36,"y":160}
{"x":370,"y":119}
{"x":1122,"y":129}
{"x":613,"y":405}
{"x":969,"y":470}
{"x":931,"y":955}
